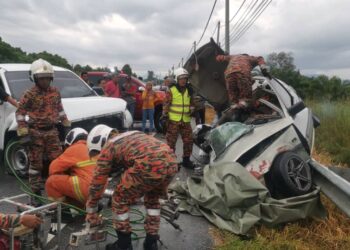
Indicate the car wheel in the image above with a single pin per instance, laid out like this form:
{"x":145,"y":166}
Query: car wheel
{"x":157,"y":121}
{"x":291,"y":175}
{"x":16,"y":158}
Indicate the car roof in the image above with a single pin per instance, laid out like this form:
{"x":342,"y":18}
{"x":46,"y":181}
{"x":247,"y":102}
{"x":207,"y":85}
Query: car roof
{"x":23,"y":67}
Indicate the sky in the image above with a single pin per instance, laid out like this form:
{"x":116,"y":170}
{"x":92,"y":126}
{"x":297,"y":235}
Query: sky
{"x":156,"y":34}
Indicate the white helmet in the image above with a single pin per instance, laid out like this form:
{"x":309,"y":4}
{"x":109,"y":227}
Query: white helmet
{"x":41,"y":68}
{"x":180,"y":73}
{"x":75,"y":135}
{"x":98,"y":137}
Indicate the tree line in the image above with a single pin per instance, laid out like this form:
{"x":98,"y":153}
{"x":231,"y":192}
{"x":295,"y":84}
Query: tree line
{"x":281,"y":64}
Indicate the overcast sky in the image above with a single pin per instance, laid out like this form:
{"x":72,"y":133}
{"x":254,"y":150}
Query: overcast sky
{"x":155,"y":34}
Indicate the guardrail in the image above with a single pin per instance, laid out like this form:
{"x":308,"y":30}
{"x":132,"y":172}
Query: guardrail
{"x":332,"y":185}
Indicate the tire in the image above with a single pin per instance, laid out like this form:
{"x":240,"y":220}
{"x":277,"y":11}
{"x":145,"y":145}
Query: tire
{"x":291,"y":175}
{"x":157,"y":122}
{"x":16,"y":158}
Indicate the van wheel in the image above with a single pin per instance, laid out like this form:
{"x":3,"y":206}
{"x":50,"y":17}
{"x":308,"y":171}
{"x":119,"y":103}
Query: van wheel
{"x":157,"y":122}
{"x":16,"y":158}
{"x":291,"y":175}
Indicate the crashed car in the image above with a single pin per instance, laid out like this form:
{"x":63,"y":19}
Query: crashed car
{"x":82,"y":105}
{"x":273,"y":140}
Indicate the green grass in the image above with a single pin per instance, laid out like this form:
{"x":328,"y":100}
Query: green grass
{"x":333,"y":136}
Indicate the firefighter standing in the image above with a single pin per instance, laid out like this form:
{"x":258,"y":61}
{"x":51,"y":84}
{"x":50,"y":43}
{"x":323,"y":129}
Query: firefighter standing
{"x":149,"y":167}
{"x":71,"y":173}
{"x":238,"y":76}
{"x":177,"y":112}
{"x":42,"y":104}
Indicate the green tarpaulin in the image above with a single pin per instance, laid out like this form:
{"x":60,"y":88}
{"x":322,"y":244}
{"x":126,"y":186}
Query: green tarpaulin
{"x":232,"y":199}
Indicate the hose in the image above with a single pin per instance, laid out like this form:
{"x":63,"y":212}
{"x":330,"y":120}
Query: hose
{"x":25,"y":188}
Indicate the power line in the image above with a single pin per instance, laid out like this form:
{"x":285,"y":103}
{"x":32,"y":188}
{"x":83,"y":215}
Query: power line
{"x":211,"y":13}
{"x":243,"y":17}
{"x":240,"y":7}
{"x":244,"y":24}
{"x":252,"y":22}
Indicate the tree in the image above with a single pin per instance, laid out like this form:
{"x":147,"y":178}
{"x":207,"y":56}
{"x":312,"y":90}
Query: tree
{"x":127,"y":69}
{"x":150,"y":75}
{"x":281,"y":61}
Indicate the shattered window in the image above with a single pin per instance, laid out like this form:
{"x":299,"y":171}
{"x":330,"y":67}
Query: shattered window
{"x":223,"y":136}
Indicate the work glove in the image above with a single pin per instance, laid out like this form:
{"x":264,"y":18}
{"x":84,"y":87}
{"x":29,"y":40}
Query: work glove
{"x":30,"y":220}
{"x":265,"y":71}
{"x":94,"y":219}
{"x":25,"y":140}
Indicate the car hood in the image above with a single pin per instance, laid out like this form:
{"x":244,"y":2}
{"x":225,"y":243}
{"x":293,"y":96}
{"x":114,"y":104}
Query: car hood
{"x":207,"y":75}
{"x":82,"y":108}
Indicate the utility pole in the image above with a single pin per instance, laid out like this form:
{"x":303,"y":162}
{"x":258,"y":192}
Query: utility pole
{"x":218,"y":35}
{"x":182,"y":61}
{"x":227,"y":27}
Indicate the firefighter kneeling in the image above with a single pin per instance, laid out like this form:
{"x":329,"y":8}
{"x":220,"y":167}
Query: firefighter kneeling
{"x":71,"y":173}
{"x":149,"y":167}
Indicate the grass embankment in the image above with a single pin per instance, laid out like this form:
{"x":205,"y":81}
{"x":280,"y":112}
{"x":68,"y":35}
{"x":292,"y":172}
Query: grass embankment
{"x":332,"y":147}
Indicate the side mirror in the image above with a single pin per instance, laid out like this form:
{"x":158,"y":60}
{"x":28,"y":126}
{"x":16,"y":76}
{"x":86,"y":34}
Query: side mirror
{"x":141,"y":89}
{"x":296,"y":108}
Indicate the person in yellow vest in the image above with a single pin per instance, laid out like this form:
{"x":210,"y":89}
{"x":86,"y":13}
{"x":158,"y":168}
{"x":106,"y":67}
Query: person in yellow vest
{"x":177,"y":111}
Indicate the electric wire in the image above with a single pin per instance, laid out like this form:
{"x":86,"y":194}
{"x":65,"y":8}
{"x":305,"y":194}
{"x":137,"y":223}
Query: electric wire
{"x":206,"y":26}
{"x":252,"y":22}
{"x":242,"y":18}
{"x":248,"y":20}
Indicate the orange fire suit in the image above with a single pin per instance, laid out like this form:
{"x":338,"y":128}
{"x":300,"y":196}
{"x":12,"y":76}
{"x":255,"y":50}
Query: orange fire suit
{"x":70,"y":174}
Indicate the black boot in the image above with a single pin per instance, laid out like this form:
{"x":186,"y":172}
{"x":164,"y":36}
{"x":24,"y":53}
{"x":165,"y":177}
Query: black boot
{"x":187,"y":163}
{"x":123,"y":242}
{"x":150,"y":242}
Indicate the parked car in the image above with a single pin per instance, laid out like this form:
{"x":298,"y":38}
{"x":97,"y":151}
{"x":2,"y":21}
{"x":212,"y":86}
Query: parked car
{"x":140,"y":86}
{"x":83,"y":106}
{"x":273,"y":141}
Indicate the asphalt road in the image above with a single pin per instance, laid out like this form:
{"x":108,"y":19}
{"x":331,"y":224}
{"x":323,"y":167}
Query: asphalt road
{"x":194,"y":233}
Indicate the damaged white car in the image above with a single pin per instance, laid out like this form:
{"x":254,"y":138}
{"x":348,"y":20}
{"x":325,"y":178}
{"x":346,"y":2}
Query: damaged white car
{"x":82,"y":105}
{"x":273,"y":141}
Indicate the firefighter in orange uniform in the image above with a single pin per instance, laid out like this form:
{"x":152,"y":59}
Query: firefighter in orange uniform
{"x":71,"y":173}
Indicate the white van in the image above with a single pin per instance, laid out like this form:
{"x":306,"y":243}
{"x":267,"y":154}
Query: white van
{"x":82,"y":105}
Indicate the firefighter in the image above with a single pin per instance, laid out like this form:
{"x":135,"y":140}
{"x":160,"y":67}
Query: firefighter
{"x":149,"y":166}
{"x":177,"y":112}
{"x":238,"y":77}
{"x":14,"y":220}
{"x":39,"y":134}
{"x":71,"y":173}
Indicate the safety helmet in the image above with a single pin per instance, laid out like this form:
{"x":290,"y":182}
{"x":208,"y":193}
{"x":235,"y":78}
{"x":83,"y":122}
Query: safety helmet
{"x":98,"y":137}
{"x":75,"y":135}
{"x":39,"y":69}
{"x":181,"y":73}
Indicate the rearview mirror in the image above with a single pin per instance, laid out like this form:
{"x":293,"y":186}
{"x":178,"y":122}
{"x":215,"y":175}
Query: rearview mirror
{"x":296,"y":108}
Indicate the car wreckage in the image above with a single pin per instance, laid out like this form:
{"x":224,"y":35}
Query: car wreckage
{"x":273,"y":140}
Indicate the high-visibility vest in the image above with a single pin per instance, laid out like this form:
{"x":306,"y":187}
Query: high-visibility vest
{"x":180,"y":105}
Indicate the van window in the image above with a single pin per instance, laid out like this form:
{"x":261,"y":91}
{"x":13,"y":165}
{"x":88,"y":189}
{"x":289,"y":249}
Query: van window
{"x":68,"y":84}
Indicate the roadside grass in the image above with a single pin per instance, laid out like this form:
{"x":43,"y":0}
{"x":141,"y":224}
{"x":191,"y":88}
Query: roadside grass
{"x":333,"y":136}
{"x":332,"y":147}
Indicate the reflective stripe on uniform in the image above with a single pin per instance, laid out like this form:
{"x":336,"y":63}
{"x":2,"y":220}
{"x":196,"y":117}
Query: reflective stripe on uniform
{"x":77,"y":190}
{"x":87,"y":163}
{"x":153,"y":212}
{"x":122,"y":135}
{"x":121,"y":217}
{"x":33,"y":172}
{"x":20,"y":118}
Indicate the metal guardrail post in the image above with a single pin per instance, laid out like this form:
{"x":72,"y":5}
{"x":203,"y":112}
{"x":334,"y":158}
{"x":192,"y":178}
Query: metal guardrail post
{"x":332,"y":185}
